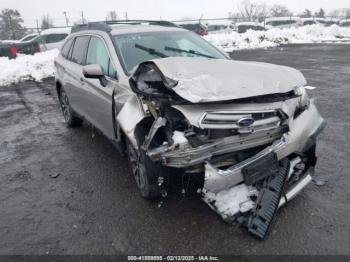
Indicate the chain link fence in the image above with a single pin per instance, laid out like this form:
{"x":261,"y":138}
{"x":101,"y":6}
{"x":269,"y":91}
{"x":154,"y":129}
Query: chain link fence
{"x":327,"y":20}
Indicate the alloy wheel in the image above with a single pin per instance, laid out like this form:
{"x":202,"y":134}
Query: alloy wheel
{"x":138,"y":168}
{"x":65,"y":106}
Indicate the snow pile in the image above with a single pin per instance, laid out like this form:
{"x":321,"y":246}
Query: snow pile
{"x":27,"y":67}
{"x":274,"y":37}
{"x":228,"y":203}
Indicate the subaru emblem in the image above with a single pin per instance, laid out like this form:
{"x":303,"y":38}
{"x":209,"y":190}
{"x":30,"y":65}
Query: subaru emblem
{"x":245,"y":121}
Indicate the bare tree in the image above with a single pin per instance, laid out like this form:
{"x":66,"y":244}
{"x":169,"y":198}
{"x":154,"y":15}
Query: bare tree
{"x":279,"y":11}
{"x":320,"y":13}
{"x":251,"y":11}
{"x":343,"y":12}
{"x":112,"y":16}
{"x":306,"y":13}
{"x":46,"y":22}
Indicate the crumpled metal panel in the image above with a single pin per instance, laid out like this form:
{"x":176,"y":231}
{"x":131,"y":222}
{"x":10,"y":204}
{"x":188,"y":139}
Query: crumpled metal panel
{"x":208,"y":80}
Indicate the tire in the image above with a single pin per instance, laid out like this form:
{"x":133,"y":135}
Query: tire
{"x":145,"y":171}
{"x":69,"y":115}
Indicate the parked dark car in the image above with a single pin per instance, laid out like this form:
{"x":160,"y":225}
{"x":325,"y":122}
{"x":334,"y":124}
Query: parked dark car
{"x":11,"y":50}
{"x":8,"y":50}
{"x":46,"y":40}
{"x":245,"y":26}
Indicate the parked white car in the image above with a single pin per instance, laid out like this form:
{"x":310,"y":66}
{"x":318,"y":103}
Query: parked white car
{"x":309,"y":21}
{"x":52,"y":38}
{"x":282,"y":22}
{"x":27,"y":37}
{"x":344,"y":23}
{"x":327,"y":21}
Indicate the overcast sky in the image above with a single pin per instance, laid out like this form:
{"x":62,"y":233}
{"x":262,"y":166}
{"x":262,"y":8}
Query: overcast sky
{"x":147,"y":9}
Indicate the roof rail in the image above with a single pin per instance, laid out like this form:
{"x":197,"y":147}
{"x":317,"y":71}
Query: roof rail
{"x":137,"y":22}
{"x":104,"y":25}
{"x":92,"y":26}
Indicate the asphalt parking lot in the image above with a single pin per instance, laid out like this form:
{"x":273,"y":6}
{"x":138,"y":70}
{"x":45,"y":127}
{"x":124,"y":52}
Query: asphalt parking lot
{"x":68,"y":191}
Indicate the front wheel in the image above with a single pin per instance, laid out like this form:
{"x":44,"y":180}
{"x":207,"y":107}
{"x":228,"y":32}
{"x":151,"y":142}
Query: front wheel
{"x":145,"y":171}
{"x":69,"y":116}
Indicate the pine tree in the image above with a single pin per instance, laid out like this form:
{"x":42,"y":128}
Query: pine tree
{"x":10,"y":27}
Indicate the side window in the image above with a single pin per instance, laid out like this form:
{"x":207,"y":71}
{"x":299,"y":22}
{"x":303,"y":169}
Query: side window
{"x":98,"y":54}
{"x":54,"y":38}
{"x":41,"y":39}
{"x":69,"y":57}
{"x":66,"y":48}
{"x":79,"y":49}
{"x":111,"y":71}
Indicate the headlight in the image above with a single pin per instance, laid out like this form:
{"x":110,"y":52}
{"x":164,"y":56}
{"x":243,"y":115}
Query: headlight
{"x":304,"y":98}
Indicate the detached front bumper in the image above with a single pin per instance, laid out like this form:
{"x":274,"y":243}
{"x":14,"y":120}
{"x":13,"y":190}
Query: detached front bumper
{"x":303,"y":131}
{"x":302,"y":135}
{"x":270,"y":178}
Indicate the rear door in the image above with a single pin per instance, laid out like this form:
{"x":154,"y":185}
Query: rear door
{"x":98,"y":97}
{"x":74,"y":78}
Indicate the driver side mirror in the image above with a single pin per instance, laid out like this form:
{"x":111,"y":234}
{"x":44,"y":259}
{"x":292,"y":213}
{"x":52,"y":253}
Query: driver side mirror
{"x":95,"y":71}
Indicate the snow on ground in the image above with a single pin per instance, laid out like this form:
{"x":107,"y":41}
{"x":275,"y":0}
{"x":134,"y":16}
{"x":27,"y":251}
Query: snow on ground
{"x":27,"y":67}
{"x":229,"y":41}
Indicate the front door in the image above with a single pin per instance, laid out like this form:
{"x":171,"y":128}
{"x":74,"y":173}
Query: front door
{"x":98,"y":97}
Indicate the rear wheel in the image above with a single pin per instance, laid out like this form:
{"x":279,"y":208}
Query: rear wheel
{"x":69,"y":115}
{"x":145,"y":171}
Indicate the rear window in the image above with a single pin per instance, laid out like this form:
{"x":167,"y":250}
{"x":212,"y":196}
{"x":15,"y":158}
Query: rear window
{"x":54,"y":38}
{"x":66,"y":48}
{"x":27,"y":38}
{"x":79,"y":49}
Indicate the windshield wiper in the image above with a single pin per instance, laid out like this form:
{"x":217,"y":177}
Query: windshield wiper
{"x":169,"y":48}
{"x":150,"y":50}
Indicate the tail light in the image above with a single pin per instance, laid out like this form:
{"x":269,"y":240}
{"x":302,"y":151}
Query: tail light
{"x":203,"y":33}
{"x":13,"y":51}
{"x":36,"y":47}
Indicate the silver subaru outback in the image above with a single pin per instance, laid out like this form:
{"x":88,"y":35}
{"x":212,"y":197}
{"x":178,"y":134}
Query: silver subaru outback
{"x":175,"y":104}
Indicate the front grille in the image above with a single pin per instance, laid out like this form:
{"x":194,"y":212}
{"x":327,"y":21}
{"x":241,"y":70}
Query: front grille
{"x":263,"y":120}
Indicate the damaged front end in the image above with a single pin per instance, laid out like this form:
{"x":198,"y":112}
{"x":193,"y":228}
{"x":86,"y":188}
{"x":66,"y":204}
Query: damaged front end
{"x":257,"y":152}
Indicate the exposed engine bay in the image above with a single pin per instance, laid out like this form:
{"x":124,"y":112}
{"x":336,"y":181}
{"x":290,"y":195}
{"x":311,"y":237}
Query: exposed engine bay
{"x":254,"y":140}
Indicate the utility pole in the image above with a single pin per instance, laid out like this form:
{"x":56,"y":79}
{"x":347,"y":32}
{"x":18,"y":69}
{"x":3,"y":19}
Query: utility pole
{"x":10,"y":25}
{"x":65,"y":15}
{"x":126,"y":16}
{"x":37,"y":26}
{"x":82,"y":17}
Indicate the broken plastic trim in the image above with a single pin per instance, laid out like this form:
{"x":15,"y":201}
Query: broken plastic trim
{"x":158,"y":123}
{"x":261,"y":217}
{"x":162,"y":89}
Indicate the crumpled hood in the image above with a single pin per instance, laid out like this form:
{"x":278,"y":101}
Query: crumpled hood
{"x":209,"y":80}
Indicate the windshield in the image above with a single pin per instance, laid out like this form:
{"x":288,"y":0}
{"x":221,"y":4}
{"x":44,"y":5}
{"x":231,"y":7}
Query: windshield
{"x":137,"y":48}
